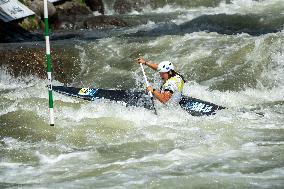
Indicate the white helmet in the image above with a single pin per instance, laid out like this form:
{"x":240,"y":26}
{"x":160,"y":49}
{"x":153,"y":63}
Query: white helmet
{"x":165,"y":66}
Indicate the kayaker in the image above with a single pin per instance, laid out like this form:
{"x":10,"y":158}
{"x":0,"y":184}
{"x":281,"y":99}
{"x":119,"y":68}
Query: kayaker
{"x":173,"y":82}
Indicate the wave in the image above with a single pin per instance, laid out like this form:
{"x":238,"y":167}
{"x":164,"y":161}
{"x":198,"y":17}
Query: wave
{"x":195,"y":6}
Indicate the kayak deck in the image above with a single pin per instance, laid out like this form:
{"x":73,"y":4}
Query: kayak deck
{"x":193,"y":106}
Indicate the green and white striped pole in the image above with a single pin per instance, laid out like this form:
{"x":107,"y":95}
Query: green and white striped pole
{"x":49,"y":66}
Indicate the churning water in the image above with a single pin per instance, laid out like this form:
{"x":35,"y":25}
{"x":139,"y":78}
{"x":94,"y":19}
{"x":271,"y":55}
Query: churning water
{"x":103,"y":144}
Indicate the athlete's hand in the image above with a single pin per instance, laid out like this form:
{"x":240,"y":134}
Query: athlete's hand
{"x":150,"y":89}
{"x":141,"y":60}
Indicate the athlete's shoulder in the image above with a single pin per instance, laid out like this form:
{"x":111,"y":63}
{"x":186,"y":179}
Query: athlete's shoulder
{"x":171,"y":84}
{"x":176,"y":78}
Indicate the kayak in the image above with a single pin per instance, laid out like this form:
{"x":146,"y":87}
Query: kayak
{"x":193,"y":106}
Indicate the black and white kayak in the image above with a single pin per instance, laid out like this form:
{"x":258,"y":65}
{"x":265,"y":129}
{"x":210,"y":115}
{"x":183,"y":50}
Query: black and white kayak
{"x":193,"y":106}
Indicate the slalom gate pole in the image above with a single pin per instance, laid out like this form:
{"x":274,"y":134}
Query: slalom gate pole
{"x":48,"y":61}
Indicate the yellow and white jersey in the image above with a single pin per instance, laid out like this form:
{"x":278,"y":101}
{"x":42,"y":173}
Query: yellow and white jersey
{"x":174,"y":85}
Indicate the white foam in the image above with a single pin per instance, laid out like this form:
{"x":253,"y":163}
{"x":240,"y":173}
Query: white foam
{"x":242,"y":7}
{"x":8,"y":82}
{"x":10,"y":165}
{"x":166,"y":9}
{"x":235,"y":99}
{"x":53,"y":159}
{"x":251,"y":6}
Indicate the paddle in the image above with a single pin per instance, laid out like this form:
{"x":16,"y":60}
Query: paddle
{"x":147,"y":84}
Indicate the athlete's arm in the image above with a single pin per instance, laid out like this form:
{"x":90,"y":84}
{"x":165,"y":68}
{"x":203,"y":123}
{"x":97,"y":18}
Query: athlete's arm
{"x":162,"y":97}
{"x":150,"y":64}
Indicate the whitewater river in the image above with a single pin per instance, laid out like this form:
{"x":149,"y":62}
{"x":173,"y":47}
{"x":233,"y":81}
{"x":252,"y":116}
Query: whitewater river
{"x":103,"y":144}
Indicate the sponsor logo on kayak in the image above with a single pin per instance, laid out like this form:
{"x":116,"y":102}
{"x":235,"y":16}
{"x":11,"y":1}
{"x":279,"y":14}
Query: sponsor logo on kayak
{"x":199,"y":107}
{"x":87,"y":92}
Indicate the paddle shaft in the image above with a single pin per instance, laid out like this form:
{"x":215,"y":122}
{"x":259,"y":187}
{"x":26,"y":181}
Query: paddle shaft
{"x":147,"y":84}
{"x":146,"y":80}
